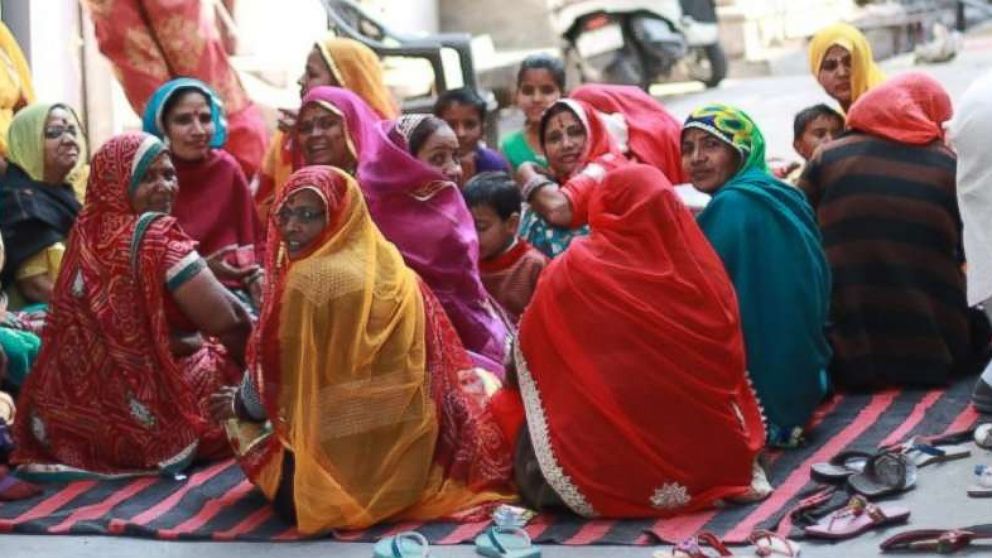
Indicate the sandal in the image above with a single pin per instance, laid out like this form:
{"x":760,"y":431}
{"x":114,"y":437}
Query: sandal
{"x":924,"y":454}
{"x":983,"y":435}
{"x":840,"y":466}
{"x":692,"y":547}
{"x":886,"y":473}
{"x":858,"y":517}
{"x":932,"y":540}
{"x":409,"y":544}
{"x":767,"y":544}
{"x":506,"y":542}
{"x":983,"y":482}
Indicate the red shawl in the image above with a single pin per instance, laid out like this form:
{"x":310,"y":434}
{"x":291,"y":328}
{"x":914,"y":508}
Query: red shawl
{"x":654,"y":135}
{"x":631,"y":362}
{"x":911,"y":108}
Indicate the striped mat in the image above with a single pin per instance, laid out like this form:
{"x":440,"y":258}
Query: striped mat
{"x":217,"y":503}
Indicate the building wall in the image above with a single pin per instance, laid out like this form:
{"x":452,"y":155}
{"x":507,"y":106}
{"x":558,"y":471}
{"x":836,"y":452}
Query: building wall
{"x":512,"y":24}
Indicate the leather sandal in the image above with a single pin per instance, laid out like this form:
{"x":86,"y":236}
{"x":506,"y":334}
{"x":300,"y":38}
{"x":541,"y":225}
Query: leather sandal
{"x":858,"y":517}
{"x":886,"y":473}
{"x":940,"y":541}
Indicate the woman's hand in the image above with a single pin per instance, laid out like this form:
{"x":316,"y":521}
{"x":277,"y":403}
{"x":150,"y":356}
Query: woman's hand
{"x":223,"y":270}
{"x":256,"y":285}
{"x":221,"y":405}
{"x":287,"y":119}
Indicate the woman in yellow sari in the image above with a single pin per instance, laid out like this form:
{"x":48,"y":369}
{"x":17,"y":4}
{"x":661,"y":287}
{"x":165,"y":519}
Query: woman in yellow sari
{"x":16,"y":90}
{"x":360,"y":404}
{"x":335,"y":61}
{"x":841,"y":60}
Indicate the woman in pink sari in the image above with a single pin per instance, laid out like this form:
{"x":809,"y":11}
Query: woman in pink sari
{"x":415,"y":205}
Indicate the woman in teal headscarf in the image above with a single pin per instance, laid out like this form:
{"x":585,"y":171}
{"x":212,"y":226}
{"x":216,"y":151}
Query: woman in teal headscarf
{"x":765,"y":233}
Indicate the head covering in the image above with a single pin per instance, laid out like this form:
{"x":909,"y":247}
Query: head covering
{"x":359,"y":118}
{"x":735,"y":128}
{"x":644,"y":293}
{"x":107,"y":340}
{"x":865,"y":74}
{"x":357,"y":68}
{"x":911,"y":108}
{"x":601,"y":146}
{"x":26,"y":139}
{"x":153,"y":122}
{"x":406,"y":124}
{"x":425,"y":215}
{"x":970,"y":132}
{"x":15,"y":82}
{"x":653,"y":135}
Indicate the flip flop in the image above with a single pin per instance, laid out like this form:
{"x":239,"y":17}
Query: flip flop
{"x":858,"y":517}
{"x":983,"y":482}
{"x":409,"y":544}
{"x":924,"y":454}
{"x":692,"y":547}
{"x":840,"y":466}
{"x":886,"y":473}
{"x":506,"y":542}
{"x":768,"y":544}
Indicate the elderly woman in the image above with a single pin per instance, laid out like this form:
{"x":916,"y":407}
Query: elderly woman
{"x":766,"y":235}
{"x":214,"y":204}
{"x":970,"y":133}
{"x":38,"y":205}
{"x":886,"y":200}
{"x":355,"y":364}
{"x":840,"y":59}
{"x":129,"y":356}
{"x":629,"y":355}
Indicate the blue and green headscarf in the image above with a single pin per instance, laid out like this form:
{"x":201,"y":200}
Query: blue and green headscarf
{"x":736,"y":128}
{"x":153,"y":123}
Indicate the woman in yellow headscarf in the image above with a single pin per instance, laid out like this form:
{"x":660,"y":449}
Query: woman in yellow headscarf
{"x":335,"y":61}
{"x":841,"y":60}
{"x":360,"y":404}
{"x":16,"y":91}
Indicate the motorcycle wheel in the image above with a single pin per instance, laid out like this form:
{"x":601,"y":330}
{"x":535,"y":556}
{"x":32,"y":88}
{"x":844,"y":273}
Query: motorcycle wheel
{"x":709,"y":65}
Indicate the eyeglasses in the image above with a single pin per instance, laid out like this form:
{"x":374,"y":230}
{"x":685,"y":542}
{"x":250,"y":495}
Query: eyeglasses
{"x":56,"y":132}
{"x":304,"y":215}
{"x":323,"y":123}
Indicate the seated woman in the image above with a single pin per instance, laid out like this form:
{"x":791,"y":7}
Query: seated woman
{"x":334,"y":61}
{"x":885,"y":197}
{"x":129,"y":357}
{"x":356,"y":364}
{"x":841,"y":60}
{"x":766,"y":235}
{"x":38,"y":206}
{"x":639,"y":407}
{"x":214,"y":204}
{"x":580,"y":151}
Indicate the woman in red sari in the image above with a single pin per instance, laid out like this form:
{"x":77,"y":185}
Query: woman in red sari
{"x":130,"y":351}
{"x":631,"y":365}
{"x":376,"y":412}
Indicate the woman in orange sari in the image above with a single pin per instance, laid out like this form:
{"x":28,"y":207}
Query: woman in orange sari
{"x":360,"y":404}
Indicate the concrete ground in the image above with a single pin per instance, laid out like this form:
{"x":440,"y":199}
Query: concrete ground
{"x":938,"y":501}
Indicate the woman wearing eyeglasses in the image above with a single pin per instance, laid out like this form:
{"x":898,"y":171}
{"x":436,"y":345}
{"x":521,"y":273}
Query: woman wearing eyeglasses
{"x":38,"y":205}
{"x":840,"y":59}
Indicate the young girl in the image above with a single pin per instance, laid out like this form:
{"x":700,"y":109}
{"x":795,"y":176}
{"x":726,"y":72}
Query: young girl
{"x":540,"y":82}
{"x":465,"y":112}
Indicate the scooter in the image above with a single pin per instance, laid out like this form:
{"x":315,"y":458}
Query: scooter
{"x":638,"y":42}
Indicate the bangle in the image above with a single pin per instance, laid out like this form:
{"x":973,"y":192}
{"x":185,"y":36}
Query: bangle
{"x":534,"y":184}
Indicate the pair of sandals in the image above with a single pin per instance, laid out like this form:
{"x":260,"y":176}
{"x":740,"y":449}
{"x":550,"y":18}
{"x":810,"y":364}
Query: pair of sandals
{"x":495,"y":542}
{"x":707,"y":545}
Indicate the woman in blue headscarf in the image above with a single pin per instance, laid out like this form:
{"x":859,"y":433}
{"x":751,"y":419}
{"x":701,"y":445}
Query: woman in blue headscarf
{"x":766,"y":234}
{"x":214,"y":205}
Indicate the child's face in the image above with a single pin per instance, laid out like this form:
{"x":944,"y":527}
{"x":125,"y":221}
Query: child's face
{"x":494,"y":233}
{"x":536,"y":92}
{"x":465,"y":121}
{"x":821,"y":130}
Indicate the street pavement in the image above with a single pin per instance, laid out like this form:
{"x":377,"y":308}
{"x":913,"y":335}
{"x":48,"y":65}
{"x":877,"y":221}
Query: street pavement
{"x":938,"y":501}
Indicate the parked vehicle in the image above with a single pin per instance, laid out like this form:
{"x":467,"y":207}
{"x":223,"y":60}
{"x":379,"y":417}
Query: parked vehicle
{"x":639,"y":42}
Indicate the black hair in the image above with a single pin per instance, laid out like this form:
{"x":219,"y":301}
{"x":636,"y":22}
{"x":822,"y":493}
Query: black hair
{"x":547,"y":62}
{"x":806,"y":116}
{"x":423,"y":131}
{"x":496,"y":190}
{"x":461,"y":96}
{"x":554,"y":109}
{"x":179,"y":93}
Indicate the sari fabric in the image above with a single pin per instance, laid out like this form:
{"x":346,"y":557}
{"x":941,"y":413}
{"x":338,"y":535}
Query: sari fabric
{"x":766,"y":235}
{"x":150,"y":42}
{"x":970,"y":133}
{"x":214,"y":205}
{"x":356,"y":68}
{"x":619,"y":395}
{"x":865,"y":74}
{"x":16,"y":89}
{"x":358,"y":365}
{"x":652,"y":135}
{"x":911,"y":108}
{"x":106,"y":395}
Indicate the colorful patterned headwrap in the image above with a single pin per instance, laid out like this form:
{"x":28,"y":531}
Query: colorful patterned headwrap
{"x":735,"y":127}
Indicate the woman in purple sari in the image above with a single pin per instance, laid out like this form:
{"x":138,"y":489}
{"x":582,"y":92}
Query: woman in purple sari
{"x":400,"y":166}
